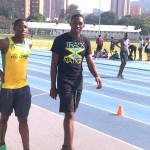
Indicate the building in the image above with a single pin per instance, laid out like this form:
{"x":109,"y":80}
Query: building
{"x":135,"y":10}
{"x":57,"y":6}
{"x":90,"y":30}
{"x":120,"y":7}
{"x":143,"y":4}
{"x":47,"y":8}
{"x":28,"y":7}
{"x":36,"y":6}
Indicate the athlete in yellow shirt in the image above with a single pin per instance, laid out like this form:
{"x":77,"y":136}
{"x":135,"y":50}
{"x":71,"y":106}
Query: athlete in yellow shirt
{"x":15,"y":92}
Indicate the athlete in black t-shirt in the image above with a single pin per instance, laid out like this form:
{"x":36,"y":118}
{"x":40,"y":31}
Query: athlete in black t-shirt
{"x":68,"y":52}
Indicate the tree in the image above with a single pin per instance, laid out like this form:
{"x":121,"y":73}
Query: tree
{"x":36,"y":17}
{"x":142,"y":22}
{"x":4,"y":23}
{"x":62,"y":14}
{"x":91,"y":19}
{"x":8,"y":10}
{"x":108,"y":18}
{"x":72,"y":9}
{"x":126,"y":20}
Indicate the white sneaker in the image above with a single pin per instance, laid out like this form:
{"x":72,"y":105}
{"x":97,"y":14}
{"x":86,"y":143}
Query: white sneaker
{"x":120,"y":76}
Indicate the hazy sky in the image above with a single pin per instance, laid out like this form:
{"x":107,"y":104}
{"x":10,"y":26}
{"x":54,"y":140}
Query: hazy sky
{"x":88,"y":5}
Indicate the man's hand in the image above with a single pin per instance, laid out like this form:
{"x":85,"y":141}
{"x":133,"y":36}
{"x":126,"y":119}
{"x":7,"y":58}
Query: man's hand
{"x":1,"y":76}
{"x":53,"y":93}
{"x":99,"y":82}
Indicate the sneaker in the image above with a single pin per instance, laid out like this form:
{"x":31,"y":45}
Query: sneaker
{"x":3,"y":147}
{"x":120,"y":76}
{"x":64,"y":147}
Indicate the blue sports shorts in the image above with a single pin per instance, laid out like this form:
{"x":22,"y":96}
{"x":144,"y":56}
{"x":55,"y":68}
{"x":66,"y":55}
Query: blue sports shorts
{"x":18,"y":100}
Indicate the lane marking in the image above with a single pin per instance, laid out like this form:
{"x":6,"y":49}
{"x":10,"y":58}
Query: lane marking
{"x":102,"y":108}
{"x":40,"y":94}
{"x":90,"y":128}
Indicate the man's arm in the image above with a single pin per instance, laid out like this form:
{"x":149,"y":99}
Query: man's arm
{"x":4,"y":45}
{"x":30,"y":43}
{"x":93,"y":70}
{"x":53,"y":75}
{"x":3,"y":48}
{"x":116,"y":43}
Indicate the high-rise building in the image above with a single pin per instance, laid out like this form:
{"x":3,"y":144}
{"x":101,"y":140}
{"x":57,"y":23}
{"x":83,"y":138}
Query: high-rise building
{"x":120,"y":7}
{"x":47,"y":8}
{"x":143,"y":4}
{"x":56,"y":7}
{"x":36,"y":6}
{"x":135,"y":10}
{"x":28,"y":7}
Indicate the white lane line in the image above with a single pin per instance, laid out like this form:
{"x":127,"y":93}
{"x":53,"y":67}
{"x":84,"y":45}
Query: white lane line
{"x":115,"y":113}
{"x":90,"y":128}
{"x":105,"y":85}
{"x":40,"y":94}
{"x":102,"y":108}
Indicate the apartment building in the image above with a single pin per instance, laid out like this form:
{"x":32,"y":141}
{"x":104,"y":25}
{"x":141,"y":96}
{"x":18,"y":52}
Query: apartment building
{"x":36,"y":6}
{"x":120,"y":7}
{"x":135,"y":10}
{"x":28,"y":7}
{"x":56,"y":7}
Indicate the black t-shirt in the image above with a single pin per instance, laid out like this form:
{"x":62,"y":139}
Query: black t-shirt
{"x":71,"y":53}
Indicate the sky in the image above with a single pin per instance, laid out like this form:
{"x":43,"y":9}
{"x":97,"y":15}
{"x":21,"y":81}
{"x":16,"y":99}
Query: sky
{"x":87,"y":6}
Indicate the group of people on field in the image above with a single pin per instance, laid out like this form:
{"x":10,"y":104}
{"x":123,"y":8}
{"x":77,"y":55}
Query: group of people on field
{"x":132,"y":49}
{"x":127,"y":50}
{"x":68,"y":51}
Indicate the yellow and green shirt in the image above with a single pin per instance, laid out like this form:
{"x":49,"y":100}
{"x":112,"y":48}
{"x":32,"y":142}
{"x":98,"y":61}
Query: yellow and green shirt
{"x":14,"y":63}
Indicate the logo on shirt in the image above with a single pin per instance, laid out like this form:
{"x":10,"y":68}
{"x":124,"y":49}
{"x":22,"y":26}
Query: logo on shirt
{"x":74,"y":49}
{"x":21,"y":52}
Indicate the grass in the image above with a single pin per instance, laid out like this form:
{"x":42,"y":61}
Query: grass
{"x":45,"y":43}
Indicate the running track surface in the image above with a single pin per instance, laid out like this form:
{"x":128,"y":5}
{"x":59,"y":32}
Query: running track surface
{"x":98,"y":108}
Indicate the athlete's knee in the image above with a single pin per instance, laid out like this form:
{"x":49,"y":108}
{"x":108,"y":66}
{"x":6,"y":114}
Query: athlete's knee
{"x":22,"y":121}
{"x":69,"y":116}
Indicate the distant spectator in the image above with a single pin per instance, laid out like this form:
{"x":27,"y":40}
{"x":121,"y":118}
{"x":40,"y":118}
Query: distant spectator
{"x":112,"y":45}
{"x":140,"y":48}
{"x":99,"y":42}
{"x":104,"y":54}
{"x":115,"y":55}
{"x":147,"y":49}
{"x":132,"y":49}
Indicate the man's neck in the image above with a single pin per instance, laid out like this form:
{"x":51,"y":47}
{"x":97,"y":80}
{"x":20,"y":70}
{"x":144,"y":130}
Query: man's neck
{"x":17,"y":39}
{"x":74,"y":35}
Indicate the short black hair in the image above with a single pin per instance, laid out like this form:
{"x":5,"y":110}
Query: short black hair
{"x":77,"y":15}
{"x":17,"y":21}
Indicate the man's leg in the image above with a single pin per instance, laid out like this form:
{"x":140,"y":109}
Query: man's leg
{"x":24,"y":132}
{"x":3,"y":128}
{"x":69,"y":130}
{"x":122,"y":66}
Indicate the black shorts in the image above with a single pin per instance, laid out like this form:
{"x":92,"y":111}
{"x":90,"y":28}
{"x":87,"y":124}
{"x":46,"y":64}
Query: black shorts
{"x":99,"y":48}
{"x":17,"y":99}
{"x":69,"y":100}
